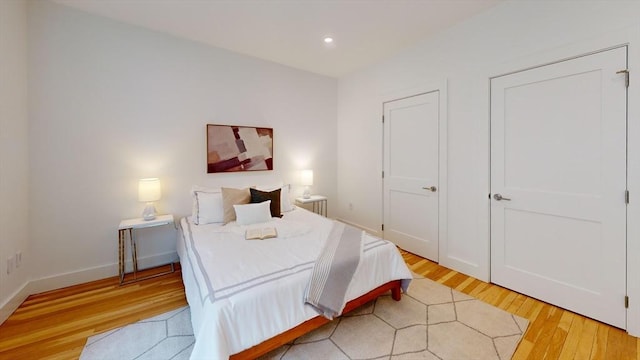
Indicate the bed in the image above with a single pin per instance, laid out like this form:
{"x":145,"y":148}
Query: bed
{"x":247,"y":296}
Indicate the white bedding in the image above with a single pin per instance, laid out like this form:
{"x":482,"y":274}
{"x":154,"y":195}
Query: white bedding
{"x":242,"y":292}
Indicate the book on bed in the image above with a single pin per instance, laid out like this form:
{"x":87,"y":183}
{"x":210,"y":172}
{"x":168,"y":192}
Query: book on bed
{"x":261,"y":233}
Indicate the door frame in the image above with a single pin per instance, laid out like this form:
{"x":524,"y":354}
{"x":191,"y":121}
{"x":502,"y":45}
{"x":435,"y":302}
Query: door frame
{"x":441,"y":87}
{"x":630,"y":37}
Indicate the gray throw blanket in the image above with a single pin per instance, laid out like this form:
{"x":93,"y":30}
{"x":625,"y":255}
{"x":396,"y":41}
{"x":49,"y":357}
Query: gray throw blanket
{"x":334,"y":270}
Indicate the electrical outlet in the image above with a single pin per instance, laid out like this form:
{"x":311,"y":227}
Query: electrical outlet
{"x":18,"y":259}
{"x":9,"y":265}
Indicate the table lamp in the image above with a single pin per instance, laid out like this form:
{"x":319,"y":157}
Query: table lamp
{"x":306,"y":179}
{"x":149,"y":191}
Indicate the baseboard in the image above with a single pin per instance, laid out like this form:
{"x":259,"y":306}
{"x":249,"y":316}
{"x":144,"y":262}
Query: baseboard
{"x":367,"y":229}
{"x":58,"y":281}
{"x":96,"y":273}
{"x":13,"y":302}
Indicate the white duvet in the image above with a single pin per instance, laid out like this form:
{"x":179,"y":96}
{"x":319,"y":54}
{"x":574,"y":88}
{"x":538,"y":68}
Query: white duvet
{"x":242,"y":292}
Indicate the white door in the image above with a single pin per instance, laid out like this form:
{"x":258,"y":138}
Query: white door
{"x":558,"y":160}
{"x":411,"y":173}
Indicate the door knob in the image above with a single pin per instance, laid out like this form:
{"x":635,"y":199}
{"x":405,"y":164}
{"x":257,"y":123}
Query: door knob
{"x":430,"y":188}
{"x":500,"y":197}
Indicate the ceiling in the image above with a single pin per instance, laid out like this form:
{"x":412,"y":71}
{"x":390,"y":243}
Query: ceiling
{"x":291,"y":32}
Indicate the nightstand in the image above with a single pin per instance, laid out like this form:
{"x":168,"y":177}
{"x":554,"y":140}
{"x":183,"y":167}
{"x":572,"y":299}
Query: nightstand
{"x":318,"y":203}
{"x":127,"y":226}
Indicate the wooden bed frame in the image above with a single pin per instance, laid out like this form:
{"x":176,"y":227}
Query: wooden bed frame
{"x":314,"y":323}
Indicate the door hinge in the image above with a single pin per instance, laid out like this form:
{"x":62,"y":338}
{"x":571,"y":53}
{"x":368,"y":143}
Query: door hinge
{"x":626,"y":76}
{"x":382,"y":227}
{"x":626,"y":301}
{"x":383,"y":119}
{"x":383,"y":174}
{"x":626,"y":196}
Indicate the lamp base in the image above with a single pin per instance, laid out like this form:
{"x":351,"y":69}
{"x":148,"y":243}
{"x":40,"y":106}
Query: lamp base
{"x":307,"y":192}
{"x":149,"y":212}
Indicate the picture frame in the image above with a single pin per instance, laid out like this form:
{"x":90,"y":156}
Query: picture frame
{"x":233,"y":148}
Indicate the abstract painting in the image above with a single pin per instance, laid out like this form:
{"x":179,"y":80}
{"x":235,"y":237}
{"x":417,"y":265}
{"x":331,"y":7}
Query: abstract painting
{"x":239,"y":148}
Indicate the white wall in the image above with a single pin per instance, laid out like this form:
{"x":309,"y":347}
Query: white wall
{"x":14,"y":153}
{"x":506,"y":38}
{"x":112,"y":103}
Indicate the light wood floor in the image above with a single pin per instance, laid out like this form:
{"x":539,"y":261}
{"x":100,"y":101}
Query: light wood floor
{"x":553,"y":333}
{"x":56,"y":324}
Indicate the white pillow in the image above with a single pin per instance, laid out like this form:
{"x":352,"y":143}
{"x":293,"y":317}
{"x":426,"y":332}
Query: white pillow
{"x":207,"y":206}
{"x":196,"y":188}
{"x":248,"y":214}
{"x":285,"y":201}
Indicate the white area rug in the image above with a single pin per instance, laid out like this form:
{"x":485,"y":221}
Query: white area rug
{"x":166,"y":336}
{"x":432,"y":321}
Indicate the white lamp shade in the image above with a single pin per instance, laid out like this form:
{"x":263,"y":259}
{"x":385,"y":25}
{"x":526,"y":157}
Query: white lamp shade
{"x":306,"y":177}
{"x":149,"y":190}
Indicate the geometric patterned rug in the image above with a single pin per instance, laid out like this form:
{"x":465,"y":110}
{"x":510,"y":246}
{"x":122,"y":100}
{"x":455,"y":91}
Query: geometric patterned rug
{"x":431,"y":321}
{"x":166,"y":336}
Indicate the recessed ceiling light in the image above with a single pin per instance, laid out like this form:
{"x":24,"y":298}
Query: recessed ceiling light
{"x":328,"y":40}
